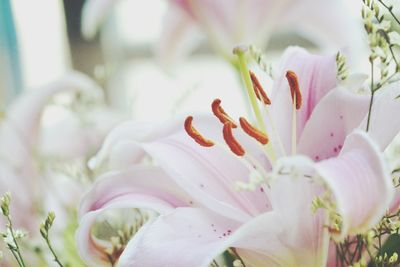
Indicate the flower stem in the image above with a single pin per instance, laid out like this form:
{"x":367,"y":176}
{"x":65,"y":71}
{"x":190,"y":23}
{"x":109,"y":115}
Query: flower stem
{"x":13,"y":247}
{"x":44,"y":231}
{"x":21,"y":259}
{"x":53,"y":252}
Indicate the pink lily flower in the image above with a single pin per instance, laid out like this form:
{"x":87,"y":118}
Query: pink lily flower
{"x":316,"y":148}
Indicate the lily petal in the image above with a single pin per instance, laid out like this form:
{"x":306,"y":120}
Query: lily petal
{"x":316,"y":76}
{"x":341,"y":112}
{"x":191,"y":236}
{"x":85,"y":138}
{"x":209,"y":174}
{"x":314,"y":21}
{"x":360,"y":182}
{"x":383,"y":127}
{"x":178,"y":38}
{"x":123,"y":142}
{"x":276,"y":238}
{"x":292,"y":194}
{"x":139,"y":187}
{"x":140,"y":180}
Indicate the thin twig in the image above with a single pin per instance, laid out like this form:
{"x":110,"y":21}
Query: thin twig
{"x":390,"y":9}
{"x":21,"y":259}
{"x":372,"y":94}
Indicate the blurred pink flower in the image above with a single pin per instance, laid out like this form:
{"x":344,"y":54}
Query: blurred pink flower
{"x":227,"y":23}
{"x":273,"y":223}
{"x":24,"y":147}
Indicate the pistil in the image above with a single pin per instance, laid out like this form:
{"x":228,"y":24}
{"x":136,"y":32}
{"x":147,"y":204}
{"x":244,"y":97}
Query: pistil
{"x":240,"y":53}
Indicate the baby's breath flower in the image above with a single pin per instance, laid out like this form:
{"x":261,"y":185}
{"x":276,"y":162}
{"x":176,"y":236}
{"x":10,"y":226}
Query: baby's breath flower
{"x":393,"y":258}
{"x":5,"y":204}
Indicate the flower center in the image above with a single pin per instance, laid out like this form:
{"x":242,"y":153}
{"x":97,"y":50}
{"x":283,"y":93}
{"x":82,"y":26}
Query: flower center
{"x":259,"y":100}
{"x":111,"y":233}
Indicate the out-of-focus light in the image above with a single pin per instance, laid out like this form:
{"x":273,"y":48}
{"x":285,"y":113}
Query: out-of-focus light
{"x":42,"y":38}
{"x":140,"y":22}
{"x":152,"y":94}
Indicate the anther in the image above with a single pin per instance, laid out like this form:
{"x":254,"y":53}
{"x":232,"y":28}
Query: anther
{"x":294,"y":88}
{"x":259,"y":90}
{"x":231,"y":141}
{"x":220,"y":113}
{"x":253,"y":132}
{"x":192,"y":132}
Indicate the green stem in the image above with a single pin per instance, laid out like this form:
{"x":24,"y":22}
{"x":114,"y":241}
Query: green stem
{"x":52,"y":251}
{"x":250,"y":92}
{"x":21,"y":260}
{"x":372,"y":95}
{"x":15,"y":256}
{"x":394,"y":56}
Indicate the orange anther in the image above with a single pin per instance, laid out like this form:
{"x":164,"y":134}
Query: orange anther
{"x":231,"y":141}
{"x":253,"y":132}
{"x":192,"y":132}
{"x":220,"y":113}
{"x":259,"y":90}
{"x":294,"y":88}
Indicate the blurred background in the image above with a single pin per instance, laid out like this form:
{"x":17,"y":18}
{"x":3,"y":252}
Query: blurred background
{"x":41,"y":40}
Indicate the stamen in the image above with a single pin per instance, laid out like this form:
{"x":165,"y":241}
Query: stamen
{"x":231,"y":141}
{"x":253,"y":132}
{"x":259,"y":90}
{"x":197,"y":137}
{"x":294,"y":88}
{"x":220,"y":113}
{"x":275,"y":131}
